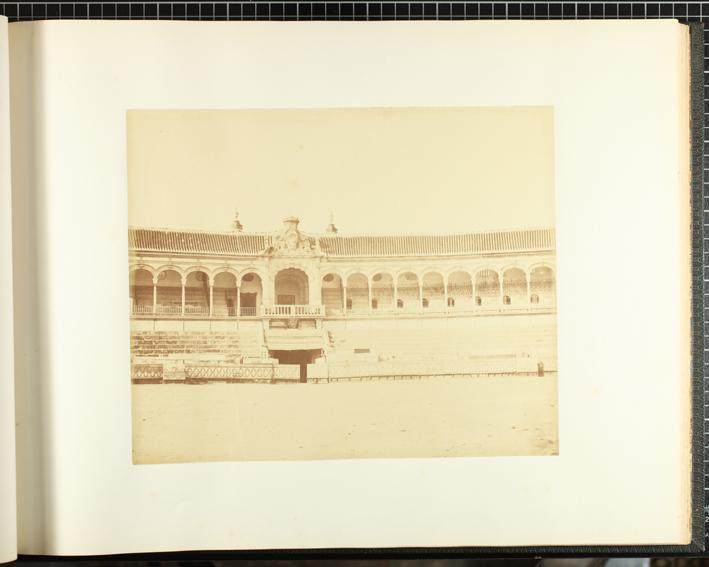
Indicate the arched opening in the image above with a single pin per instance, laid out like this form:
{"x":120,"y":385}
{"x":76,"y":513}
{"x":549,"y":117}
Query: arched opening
{"x":224,"y":295}
{"x":292,"y":287}
{"x":514,"y":286}
{"x":542,"y":284}
{"x":382,"y":292}
{"x":141,"y":291}
{"x":332,"y":294}
{"x":407,"y":290}
{"x":433,"y":291}
{"x":250,"y":294}
{"x":357,"y":293}
{"x":460,"y":290}
{"x":197,"y":293}
{"x":169,"y":293}
{"x":487,"y":287}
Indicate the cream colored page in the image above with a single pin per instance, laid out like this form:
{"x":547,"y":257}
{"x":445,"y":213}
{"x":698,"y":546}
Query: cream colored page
{"x":621,"y":245}
{"x":8,"y":521}
{"x":32,"y":405}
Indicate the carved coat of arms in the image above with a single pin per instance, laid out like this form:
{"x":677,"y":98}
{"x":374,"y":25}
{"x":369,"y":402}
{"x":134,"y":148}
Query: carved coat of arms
{"x":291,"y":241}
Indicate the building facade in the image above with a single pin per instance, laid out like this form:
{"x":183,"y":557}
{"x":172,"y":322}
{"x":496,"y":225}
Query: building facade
{"x":300,"y":293}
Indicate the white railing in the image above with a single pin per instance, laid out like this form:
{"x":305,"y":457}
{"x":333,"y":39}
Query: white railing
{"x":142,"y":309}
{"x":294,"y":310}
{"x":197,"y":310}
{"x":168,"y":309}
{"x":224,"y":312}
{"x":305,"y":311}
{"x":437,"y":310}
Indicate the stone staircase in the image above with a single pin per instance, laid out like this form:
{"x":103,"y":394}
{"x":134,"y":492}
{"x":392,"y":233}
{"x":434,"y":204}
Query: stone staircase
{"x":229,"y":346}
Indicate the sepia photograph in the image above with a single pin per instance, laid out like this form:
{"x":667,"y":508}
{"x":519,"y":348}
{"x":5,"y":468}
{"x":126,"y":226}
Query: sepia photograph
{"x":339,"y":283}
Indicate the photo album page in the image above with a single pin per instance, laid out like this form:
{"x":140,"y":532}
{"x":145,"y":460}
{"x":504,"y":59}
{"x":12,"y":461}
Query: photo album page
{"x":350,"y":285}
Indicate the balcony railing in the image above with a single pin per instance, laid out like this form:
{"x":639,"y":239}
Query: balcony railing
{"x":142,"y":309}
{"x":193,"y":311}
{"x":310,"y":311}
{"x":200,"y":310}
{"x":294,"y":310}
{"x":168,"y":309}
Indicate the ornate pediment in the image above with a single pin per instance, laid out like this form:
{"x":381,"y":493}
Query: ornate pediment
{"x":291,"y":242}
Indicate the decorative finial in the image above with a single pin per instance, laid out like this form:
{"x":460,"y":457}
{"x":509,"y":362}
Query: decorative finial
{"x":236,"y":225}
{"x":331,"y":228}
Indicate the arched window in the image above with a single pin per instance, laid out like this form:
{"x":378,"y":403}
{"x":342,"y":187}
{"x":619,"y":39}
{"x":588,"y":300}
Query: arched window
{"x":169,"y":292}
{"x":506,"y":300}
{"x":141,"y":291}
{"x":292,"y":287}
{"x":224,"y":295}
{"x":383,"y":292}
{"x":514,"y":285}
{"x":400,"y":303}
{"x":332,"y":294}
{"x":541,"y":284}
{"x":408,"y":290}
{"x":434,"y":289}
{"x":250,"y":294}
{"x":358,"y":292}
{"x":534,"y":298}
{"x":487,"y":286}
{"x":460,"y":289}
{"x":424,"y":301}
{"x":196,"y":294}
{"x":478,"y":300}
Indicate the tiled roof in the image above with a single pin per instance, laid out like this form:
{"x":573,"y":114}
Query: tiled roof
{"x":237,"y":244}
{"x":433,"y":245}
{"x":253,"y":244}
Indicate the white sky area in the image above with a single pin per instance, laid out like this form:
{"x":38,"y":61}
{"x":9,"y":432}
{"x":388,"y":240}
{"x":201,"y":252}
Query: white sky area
{"x":393,"y":170}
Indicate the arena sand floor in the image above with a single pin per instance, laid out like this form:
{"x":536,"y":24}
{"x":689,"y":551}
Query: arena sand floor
{"x":431,"y":417}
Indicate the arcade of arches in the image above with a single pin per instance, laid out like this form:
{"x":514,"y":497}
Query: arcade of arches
{"x":197,"y":293}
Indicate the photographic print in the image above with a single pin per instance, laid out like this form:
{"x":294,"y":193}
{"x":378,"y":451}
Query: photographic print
{"x":342,"y":283}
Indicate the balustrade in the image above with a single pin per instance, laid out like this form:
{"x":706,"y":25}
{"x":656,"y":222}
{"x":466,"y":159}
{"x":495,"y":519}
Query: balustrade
{"x":294,"y":310}
{"x":434,"y":307}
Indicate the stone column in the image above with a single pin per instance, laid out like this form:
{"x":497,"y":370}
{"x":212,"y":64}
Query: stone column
{"x":238,"y":300}
{"x":529,"y":288}
{"x":268,"y":289}
{"x":211,"y":299}
{"x":501,"y":280}
{"x":344,"y":295}
{"x":315,"y":288}
{"x":184,"y":282}
{"x":445,"y":292}
{"x":396,"y":296}
{"x":421,"y":294}
{"x":155,"y":294}
{"x":369,"y":294}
